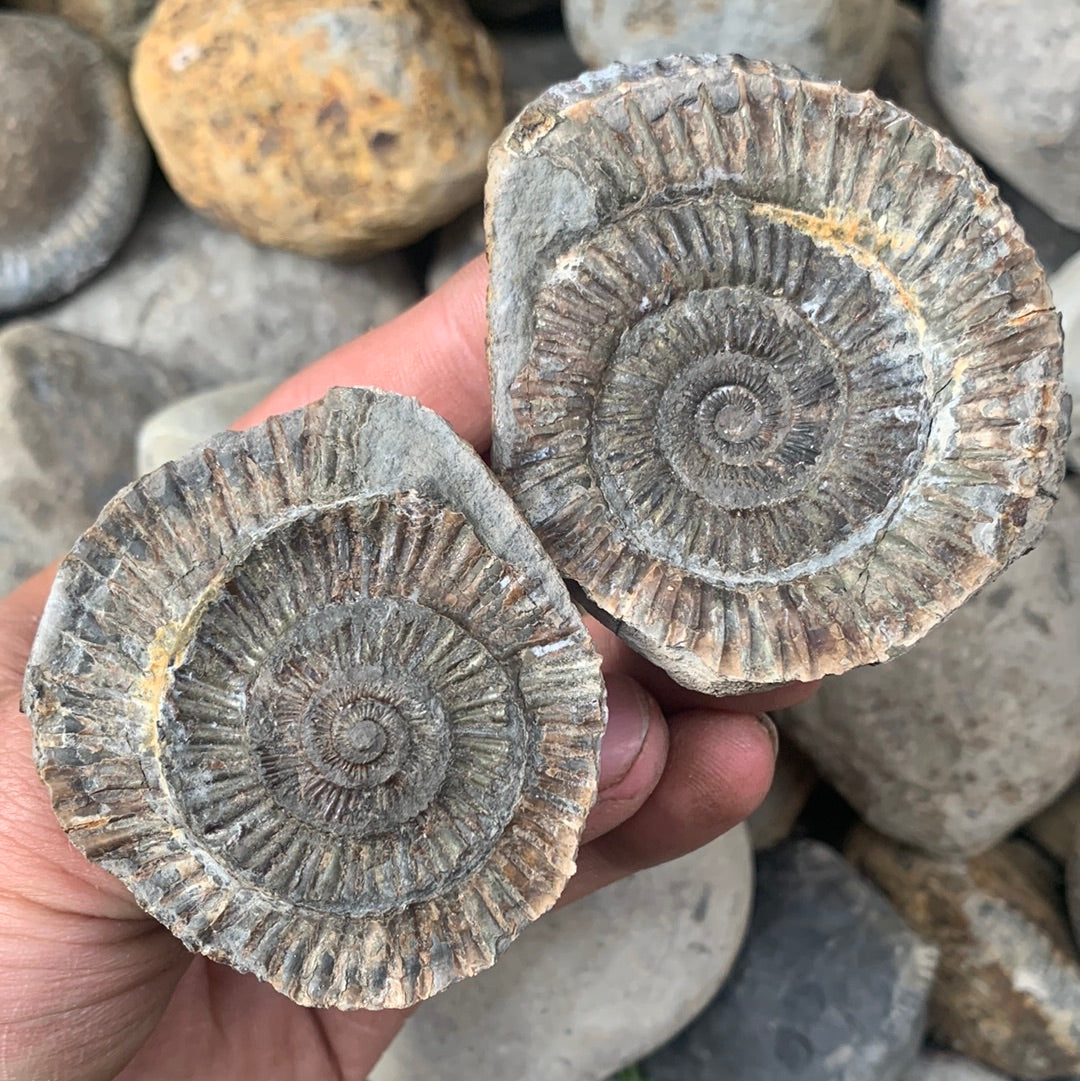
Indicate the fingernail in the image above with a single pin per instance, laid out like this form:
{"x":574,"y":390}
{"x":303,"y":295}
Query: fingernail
{"x":769,"y":725}
{"x":629,"y":714}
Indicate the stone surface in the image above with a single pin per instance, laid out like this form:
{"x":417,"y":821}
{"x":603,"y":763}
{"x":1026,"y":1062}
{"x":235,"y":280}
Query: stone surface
{"x":1008,"y":986}
{"x":171,"y":432}
{"x":1054,"y":829}
{"x":1072,"y":884}
{"x":793,"y":779}
{"x":69,"y":409}
{"x":836,"y":39}
{"x":115,"y":24}
{"x":1065,"y":285}
{"x":794,"y":322}
{"x":903,"y":75}
{"x":944,"y":1066}
{"x":532,"y":61}
{"x":1007,"y":76}
{"x":953,"y":745}
{"x":73,"y":161}
{"x":206,"y":302}
{"x":831,"y":985}
{"x":593,"y":986}
{"x":332,"y":128}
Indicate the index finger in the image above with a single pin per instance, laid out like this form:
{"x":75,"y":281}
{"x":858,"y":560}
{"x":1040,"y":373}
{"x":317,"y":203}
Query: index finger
{"x":434,"y":352}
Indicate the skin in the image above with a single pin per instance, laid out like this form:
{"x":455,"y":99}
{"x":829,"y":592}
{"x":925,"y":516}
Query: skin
{"x":93,"y":988}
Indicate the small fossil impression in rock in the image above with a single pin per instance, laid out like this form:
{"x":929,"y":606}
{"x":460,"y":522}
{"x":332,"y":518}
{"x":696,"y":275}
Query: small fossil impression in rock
{"x":776,"y":378}
{"x":317,"y":696}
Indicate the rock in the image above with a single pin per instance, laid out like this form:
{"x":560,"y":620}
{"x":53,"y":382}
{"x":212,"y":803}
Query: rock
{"x":458,"y":243}
{"x":903,"y":76}
{"x":831,"y":985}
{"x":904,"y":80}
{"x":532,"y":61}
{"x":208,"y":303}
{"x":333,"y":128}
{"x":1054,"y":829}
{"x":794,"y":777}
{"x":838,"y":39}
{"x":174,"y":430}
{"x":954,"y":744}
{"x":944,"y":1066}
{"x":1065,"y":285}
{"x":1008,"y":987}
{"x":69,"y":409}
{"x":73,"y":162}
{"x":507,"y":10}
{"x":1008,"y":79}
{"x":593,"y":986}
{"x":1072,"y":885}
{"x":116,"y":25}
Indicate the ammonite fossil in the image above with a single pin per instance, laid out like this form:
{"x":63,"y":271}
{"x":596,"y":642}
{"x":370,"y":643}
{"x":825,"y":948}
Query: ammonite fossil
{"x":73,"y":160}
{"x":317,"y":696}
{"x":776,"y":378}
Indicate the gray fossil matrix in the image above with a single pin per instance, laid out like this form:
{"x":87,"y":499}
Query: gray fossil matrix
{"x":776,"y":378}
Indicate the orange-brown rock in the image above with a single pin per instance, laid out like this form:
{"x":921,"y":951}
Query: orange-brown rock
{"x":332,"y":128}
{"x":1008,"y":985}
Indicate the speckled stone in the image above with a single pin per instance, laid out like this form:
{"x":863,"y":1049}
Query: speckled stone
{"x":831,"y":985}
{"x":838,"y":39}
{"x":171,"y":432}
{"x":945,"y":1066}
{"x":333,"y":127}
{"x":73,"y":161}
{"x":115,"y":24}
{"x":793,"y":780}
{"x":953,"y":745}
{"x":209,"y":304}
{"x":1007,"y":75}
{"x":69,"y":409}
{"x":1065,"y":285}
{"x":591,"y":987}
{"x":1008,"y":987}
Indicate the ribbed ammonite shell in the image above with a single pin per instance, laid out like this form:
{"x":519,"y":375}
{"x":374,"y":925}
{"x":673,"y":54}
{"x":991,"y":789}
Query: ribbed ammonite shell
{"x":317,"y":696}
{"x":776,"y":378}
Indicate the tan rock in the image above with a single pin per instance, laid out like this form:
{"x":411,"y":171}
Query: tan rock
{"x":115,"y":24}
{"x":332,"y":128}
{"x":955,"y":744}
{"x":1008,"y":987}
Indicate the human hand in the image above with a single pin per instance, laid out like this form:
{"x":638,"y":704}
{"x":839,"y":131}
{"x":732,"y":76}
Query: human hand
{"x":93,"y":988}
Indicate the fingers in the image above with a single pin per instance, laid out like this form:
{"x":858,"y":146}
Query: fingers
{"x":718,"y":769}
{"x":434,"y":352}
{"x":632,"y":755}
{"x":20,"y":613}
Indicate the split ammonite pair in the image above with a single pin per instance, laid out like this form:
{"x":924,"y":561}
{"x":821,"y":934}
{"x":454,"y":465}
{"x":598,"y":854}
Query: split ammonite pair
{"x":776,"y":381}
